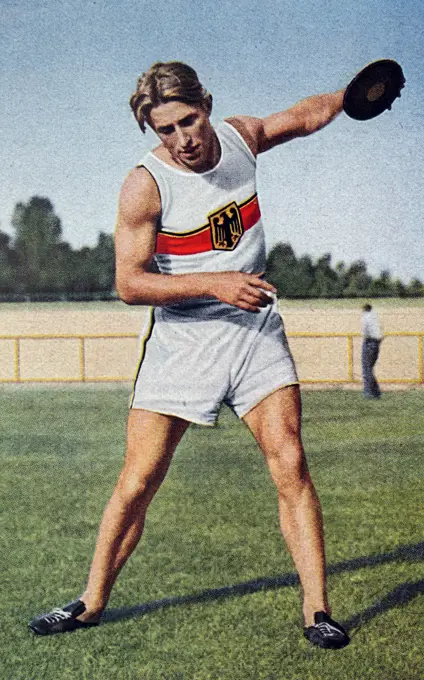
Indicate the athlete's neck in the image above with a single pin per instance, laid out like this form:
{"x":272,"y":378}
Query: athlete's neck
{"x":211,"y":160}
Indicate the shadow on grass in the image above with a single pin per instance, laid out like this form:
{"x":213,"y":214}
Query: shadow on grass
{"x":397,"y":597}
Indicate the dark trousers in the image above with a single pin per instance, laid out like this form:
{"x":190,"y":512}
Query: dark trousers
{"x":370,"y":350}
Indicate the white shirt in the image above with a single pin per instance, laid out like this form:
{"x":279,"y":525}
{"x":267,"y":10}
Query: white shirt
{"x":370,"y":326}
{"x":210,"y":221}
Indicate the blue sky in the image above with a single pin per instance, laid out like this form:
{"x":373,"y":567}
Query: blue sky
{"x":354,"y":189}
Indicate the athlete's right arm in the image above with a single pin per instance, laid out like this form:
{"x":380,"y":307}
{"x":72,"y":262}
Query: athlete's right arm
{"x":135,"y":237}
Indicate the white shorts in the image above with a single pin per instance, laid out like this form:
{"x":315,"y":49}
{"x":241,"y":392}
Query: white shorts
{"x":190,"y":365}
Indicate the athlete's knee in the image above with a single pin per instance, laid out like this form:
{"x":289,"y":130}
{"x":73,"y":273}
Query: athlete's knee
{"x":135,"y":488}
{"x":289,"y":470}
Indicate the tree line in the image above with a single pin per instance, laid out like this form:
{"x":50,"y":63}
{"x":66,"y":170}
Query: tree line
{"x":302,"y":277}
{"x":36,"y":263}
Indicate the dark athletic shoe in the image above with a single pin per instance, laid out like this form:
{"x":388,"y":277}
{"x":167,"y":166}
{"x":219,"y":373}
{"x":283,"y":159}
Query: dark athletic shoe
{"x":326,"y":633}
{"x":61,"y":620}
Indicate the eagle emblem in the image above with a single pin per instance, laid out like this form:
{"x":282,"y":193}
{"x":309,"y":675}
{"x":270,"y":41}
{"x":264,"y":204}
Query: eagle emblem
{"x":226,"y":227}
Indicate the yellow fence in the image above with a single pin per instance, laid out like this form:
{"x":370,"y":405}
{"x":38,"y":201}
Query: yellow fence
{"x":70,"y":357}
{"x":336,"y":357}
{"x":320,"y":357}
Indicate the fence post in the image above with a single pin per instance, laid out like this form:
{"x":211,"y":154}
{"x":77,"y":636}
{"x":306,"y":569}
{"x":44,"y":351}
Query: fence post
{"x":82,"y":358}
{"x":350,"y":358}
{"x":420,"y":359}
{"x":17,"y":355}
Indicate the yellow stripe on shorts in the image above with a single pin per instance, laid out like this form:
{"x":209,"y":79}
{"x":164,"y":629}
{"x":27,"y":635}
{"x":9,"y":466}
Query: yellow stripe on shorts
{"x":143,"y":343}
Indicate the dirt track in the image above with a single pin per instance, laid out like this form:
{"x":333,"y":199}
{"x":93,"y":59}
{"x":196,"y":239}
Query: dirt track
{"x":110,"y":359}
{"x":115,"y":317}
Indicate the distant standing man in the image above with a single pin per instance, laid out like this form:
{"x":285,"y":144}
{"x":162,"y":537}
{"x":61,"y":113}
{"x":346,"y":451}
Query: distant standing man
{"x":371,"y":340}
{"x":214,"y":334}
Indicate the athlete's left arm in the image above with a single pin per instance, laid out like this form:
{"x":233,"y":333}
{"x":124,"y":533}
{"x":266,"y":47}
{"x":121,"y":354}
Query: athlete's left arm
{"x":302,"y":119}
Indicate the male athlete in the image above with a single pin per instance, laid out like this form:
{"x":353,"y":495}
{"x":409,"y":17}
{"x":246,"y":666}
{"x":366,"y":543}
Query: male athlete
{"x":214,"y":334}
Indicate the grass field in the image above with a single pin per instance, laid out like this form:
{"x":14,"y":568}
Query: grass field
{"x":210,"y":594}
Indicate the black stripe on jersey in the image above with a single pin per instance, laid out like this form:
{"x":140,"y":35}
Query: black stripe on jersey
{"x":249,"y":200}
{"x":197,"y":230}
{"x":145,"y":339}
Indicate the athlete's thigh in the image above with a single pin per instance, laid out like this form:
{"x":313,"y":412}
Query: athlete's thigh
{"x":151,"y":441}
{"x":276,"y":419}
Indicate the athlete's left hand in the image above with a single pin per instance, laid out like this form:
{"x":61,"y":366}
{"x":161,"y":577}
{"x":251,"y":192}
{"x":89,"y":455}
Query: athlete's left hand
{"x":249,"y":292}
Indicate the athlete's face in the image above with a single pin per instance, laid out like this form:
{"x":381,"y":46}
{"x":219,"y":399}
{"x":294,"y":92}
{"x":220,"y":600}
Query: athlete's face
{"x":186,"y":132}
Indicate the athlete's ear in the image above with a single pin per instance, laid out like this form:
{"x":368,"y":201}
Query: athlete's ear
{"x":207,"y":103}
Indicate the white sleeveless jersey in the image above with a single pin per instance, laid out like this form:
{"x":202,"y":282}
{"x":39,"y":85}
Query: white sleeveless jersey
{"x":210,"y":221}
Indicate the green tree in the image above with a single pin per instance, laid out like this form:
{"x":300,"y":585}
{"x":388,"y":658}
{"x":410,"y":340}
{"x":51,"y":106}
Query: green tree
{"x":415,"y":288}
{"x":303,"y":275}
{"x":341,"y":273}
{"x":37,"y":237}
{"x":325,"y":283}
{"x":92,"y":270}
{"x":281,"y":263}
{"x":103,"y":256}
{"x":383,"y":286}
{"x":7,"y":265}
{"x":82,"y":276}
{"x":302,"y":278}
{"x":357,"y":280}
{"x":400,"y":289}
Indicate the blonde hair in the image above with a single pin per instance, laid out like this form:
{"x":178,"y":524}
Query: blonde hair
{"x":167,"y":81}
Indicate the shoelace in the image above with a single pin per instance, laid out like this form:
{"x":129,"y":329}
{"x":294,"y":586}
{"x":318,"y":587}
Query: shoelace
{"x":326,"y":629}
{"x":57,"y":615}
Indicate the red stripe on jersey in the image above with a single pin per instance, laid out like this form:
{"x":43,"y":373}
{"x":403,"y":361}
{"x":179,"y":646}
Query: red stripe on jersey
{"x":200,"y":240}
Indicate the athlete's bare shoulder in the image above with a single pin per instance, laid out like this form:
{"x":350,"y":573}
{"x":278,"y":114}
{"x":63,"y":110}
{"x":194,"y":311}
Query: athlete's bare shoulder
{"x":139,"y":200}
{"x":250,"y":128}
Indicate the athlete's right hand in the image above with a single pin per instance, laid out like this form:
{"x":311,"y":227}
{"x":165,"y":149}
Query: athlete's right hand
{"x":246,"y":291}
